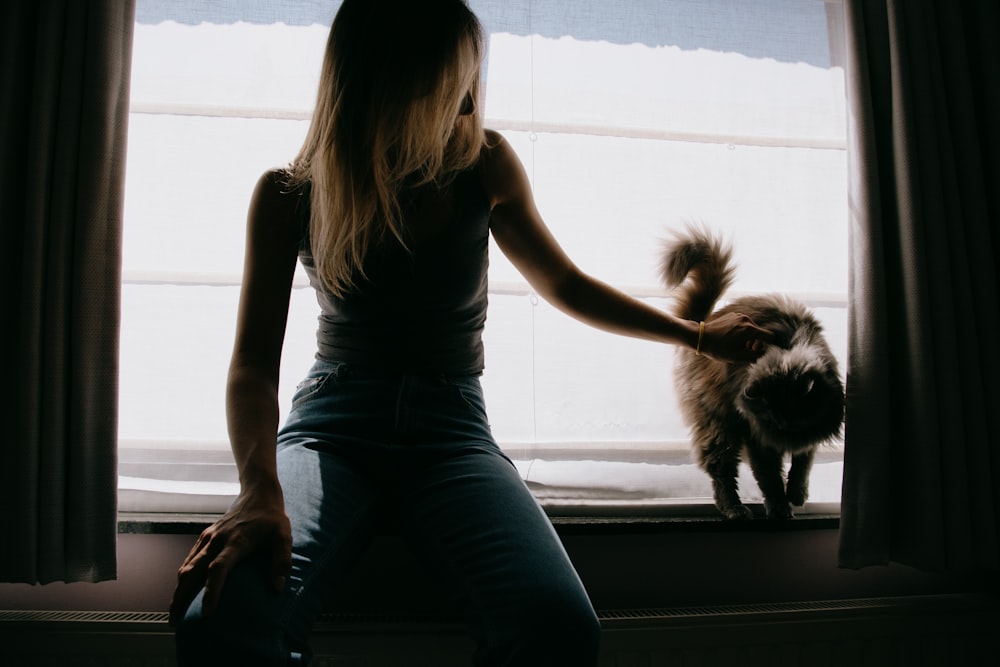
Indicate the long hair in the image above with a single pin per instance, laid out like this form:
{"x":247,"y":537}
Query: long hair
{"x":399,"y":80}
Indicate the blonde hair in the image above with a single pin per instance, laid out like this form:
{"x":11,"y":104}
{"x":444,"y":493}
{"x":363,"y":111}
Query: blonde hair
{"x":389,"y":115}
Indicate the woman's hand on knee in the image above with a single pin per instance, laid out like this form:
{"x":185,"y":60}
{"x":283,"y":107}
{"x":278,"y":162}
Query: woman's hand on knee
{"x":255,"y":523}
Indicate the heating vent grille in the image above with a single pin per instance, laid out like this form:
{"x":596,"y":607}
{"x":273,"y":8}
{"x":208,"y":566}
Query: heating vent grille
{"x":7,"y":616}
{"x":919,"y":630}
{"x":923,"y":603}
{"x":818,"y":606}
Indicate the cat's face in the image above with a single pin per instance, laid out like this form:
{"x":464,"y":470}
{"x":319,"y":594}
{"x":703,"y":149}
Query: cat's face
{"x":792,"y":398}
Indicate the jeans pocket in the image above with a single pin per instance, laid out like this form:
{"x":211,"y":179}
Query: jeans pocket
{"x":315,"y":380}
{"x":470,"y":390}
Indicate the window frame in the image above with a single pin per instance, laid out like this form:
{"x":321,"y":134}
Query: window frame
{"x":161,"y":449}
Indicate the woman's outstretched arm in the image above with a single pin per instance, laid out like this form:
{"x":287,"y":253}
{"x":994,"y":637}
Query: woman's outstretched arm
{"x":522,"y":235}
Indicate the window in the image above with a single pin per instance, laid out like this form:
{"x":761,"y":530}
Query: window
{"x":631,"y":118}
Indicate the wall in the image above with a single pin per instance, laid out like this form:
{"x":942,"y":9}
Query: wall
{"x":624,"y":565}
{"x":669,"y":592}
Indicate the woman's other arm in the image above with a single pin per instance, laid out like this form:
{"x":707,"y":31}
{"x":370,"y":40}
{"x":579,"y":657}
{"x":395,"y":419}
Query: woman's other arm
{"x":257,"y":519}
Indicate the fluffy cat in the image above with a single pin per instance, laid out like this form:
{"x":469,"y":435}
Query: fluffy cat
{"x":786,"y":403}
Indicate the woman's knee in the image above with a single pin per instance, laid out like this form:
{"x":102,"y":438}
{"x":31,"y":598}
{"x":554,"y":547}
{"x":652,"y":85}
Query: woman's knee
{"x":198,"y":638}
{"x":556,"y":625}
{"x":222,"y":638}
{"x":569,"y":619}
{"x":246,"y":624}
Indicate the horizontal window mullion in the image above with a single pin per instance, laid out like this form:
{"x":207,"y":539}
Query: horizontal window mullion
{"x":509,"y":288}
{"x":515,"y":125}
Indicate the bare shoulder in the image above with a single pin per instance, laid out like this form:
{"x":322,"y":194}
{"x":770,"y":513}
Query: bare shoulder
{"x":503,"y":173}
{"x":275,"y":197}
{"x":496,"y":148}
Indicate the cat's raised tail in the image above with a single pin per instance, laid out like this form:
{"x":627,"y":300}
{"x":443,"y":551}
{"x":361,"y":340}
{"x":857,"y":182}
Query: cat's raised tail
{"x":698,"y":268}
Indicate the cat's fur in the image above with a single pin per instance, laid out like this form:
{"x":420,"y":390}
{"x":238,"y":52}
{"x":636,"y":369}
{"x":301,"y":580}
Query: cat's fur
{"x":786,"y":403}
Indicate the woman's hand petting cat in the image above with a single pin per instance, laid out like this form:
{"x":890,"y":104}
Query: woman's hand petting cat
{"x":255,"y":523}
{"x":734,"y":337}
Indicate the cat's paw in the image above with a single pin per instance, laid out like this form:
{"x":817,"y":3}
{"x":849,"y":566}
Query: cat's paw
{"x":797,"y":496}
{"x":736,"y":513}
{"x":779,"y":511}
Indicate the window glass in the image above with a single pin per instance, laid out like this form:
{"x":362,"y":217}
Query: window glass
{"x":632,"y":118}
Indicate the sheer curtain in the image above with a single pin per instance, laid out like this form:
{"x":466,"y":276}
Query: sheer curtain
{"x":922,"y":456}
{"x":65,"y":80}
{"x":631,"y":117}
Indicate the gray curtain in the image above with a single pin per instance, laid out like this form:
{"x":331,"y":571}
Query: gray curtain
{"x":64,"y":105}
{"x":922,"y":461}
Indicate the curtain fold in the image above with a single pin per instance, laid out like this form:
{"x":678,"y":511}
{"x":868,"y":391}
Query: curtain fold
{"x":64,"y":105}
{"x":922,"y":440}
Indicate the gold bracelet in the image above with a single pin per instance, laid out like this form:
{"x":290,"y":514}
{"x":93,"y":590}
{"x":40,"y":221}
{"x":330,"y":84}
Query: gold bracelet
{"x":701,"y":334}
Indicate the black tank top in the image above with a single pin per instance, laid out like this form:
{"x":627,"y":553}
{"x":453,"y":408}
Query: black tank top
{"x":419,"y":310}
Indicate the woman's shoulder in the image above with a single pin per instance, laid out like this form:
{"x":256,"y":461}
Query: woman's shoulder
{"x":277,"y":194}
{"x":503,"y":173}
{"x":280,"y":185}
{"x":497,"y":155}
{"x":494,"y":145}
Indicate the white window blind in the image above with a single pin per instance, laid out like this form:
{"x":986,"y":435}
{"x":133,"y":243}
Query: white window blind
{"x":631,"y":118}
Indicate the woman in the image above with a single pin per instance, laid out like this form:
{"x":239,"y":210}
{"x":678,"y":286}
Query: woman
{"x":389,"y":206}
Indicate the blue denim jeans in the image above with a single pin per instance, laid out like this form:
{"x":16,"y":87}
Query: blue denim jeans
{"x":362,"y":445}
